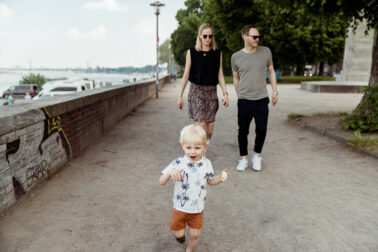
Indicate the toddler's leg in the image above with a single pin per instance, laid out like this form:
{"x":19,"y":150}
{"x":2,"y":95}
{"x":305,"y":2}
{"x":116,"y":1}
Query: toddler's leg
{"x":194,"y":235}
{"x":180,"y":235}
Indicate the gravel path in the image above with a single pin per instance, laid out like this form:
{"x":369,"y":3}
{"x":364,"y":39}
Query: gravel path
{"x":312,"y":195}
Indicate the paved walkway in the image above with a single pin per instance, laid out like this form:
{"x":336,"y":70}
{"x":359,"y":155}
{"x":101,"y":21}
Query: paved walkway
{"x":312,"y":195}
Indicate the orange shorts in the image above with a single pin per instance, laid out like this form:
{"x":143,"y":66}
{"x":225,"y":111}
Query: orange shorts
{"x":179,"y":220}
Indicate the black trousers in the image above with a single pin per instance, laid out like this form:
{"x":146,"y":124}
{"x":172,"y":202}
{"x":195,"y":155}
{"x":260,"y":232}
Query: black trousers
{"x":247,"y":110}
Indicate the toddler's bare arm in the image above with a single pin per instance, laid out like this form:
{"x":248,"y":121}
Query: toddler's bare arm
{"x":175,"y":175}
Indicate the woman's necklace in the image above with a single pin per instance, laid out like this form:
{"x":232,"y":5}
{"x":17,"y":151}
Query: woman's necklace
{"x":204,"y":52}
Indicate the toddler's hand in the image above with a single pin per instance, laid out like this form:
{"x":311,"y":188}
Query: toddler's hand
{"x":224,"y":175}
{"x":176,"y":175}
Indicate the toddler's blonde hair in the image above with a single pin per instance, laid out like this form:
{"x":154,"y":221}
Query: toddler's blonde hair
{"x":193,"y":134}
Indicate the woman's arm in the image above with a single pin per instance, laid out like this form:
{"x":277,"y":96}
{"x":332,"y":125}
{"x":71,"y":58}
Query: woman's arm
{"x":222,"y":82}
{"x":184,"y":79}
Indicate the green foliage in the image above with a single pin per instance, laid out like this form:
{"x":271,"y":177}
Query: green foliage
{"x":164,"y":52}
{"x":330,"y":113}
{"x":299,"y":79}
{"x":32,"y":78}
{"x":294,"y":116}
{"x":184,"y":37}
{"x":365,"y":117}
{"x":299,"y":37}
{"x":364,"y":142}
{"x":229,"y":79}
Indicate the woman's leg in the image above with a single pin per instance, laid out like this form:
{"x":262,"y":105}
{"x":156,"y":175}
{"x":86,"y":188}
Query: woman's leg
{"x":208,"y":127}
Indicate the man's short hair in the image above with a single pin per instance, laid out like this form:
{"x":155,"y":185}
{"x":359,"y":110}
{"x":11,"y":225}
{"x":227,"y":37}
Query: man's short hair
{"x":246,"y":29}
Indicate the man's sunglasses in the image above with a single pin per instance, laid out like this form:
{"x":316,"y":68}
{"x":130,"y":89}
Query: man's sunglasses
{"x":255,"y":37}
{"x":205,"y":36}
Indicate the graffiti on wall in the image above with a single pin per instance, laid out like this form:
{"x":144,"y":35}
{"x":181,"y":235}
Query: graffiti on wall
{"x":12,"y":148}
{"x":35,"y":173}
{"x":53,"y":125}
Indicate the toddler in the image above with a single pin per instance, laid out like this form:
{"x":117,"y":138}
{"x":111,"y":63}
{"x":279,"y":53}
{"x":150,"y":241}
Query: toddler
{"x":190,"y":174}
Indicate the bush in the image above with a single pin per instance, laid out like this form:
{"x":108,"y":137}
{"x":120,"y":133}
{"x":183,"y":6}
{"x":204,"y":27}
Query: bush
{"x":32,"y":78}
{"x":291,"y":79}
{"x":365,"y":117}
{"x":299,"y":79}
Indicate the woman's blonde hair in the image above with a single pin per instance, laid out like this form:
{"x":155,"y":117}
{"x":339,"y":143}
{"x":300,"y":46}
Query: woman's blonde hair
{"x":198,"y":46}
{"x":193,"y":134}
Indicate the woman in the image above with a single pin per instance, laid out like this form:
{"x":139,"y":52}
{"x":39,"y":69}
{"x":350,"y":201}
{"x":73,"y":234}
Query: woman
{"x":203,"y":68}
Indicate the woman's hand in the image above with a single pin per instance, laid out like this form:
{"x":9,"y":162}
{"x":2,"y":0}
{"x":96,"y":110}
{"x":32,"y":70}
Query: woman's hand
{"x":180,"y":102}
{"x":225,"y":100}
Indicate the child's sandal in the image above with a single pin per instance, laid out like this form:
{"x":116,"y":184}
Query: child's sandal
{"x":181,"y":240}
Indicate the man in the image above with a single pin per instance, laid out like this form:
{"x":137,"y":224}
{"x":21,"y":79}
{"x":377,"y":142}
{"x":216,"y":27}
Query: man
{"x":249,"y":66}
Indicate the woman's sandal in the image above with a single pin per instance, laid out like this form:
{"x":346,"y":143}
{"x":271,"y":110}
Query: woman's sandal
{"x":181,"y":240}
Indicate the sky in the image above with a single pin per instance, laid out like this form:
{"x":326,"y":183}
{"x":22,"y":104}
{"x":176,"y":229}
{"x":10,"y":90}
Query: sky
{"x":81,"y":33}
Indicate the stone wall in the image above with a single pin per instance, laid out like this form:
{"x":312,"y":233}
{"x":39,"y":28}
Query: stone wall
{"x":38,"y":138}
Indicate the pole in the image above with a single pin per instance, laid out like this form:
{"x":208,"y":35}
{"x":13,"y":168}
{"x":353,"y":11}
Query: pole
{"x":157,"y":54}
{"x":157,"y":5}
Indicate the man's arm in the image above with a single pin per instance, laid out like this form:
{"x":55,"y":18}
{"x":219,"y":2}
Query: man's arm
{"x":236,"y":81}
{"x":273,"y":83}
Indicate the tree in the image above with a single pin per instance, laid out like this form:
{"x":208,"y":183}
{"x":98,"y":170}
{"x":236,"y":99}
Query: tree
{"x":32,"y":78}
{"x":184,"y":37}
{"x":228,"y":19}
{"x":294,"y":37}
{"x":365,"y":115}
{"x":164,"y":52}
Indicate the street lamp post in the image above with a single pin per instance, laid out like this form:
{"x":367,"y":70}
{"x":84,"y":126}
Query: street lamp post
{"x":157,"y":6}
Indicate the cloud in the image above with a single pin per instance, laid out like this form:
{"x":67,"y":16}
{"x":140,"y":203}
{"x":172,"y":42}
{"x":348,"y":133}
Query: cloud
{"x":147,"y":27}
{"x":98,"y":33}
{"x":109,"y":5}
{"x":6,"y":14}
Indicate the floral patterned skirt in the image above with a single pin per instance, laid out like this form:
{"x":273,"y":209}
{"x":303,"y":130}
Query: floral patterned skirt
{"x":203,"y":103}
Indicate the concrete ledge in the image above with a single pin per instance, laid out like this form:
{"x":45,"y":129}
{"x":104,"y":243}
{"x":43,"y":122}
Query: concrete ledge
{"x":340,"y":139}
{"x":38,"y":138}
{"x":333,"y":86}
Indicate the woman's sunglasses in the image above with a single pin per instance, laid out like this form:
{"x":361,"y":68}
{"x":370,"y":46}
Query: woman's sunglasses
{"x":205,"y":36}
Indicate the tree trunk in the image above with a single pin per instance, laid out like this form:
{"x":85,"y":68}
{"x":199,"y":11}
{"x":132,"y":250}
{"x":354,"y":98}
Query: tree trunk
{"x":300,"y":70}
{"x":321,"y":68}
{"x":374,"y":63}
{"x":331,"y":70}
{"x":316,"y":69}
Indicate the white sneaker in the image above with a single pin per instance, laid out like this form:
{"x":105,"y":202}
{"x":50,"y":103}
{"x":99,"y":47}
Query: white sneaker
{"x":256,"y":163}
{"x":243,"y":163}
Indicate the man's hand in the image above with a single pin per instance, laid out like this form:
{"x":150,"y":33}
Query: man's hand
{"x":274,"y":99}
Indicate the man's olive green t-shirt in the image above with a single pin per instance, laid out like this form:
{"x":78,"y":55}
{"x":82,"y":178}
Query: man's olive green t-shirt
{"x":252,"y":68}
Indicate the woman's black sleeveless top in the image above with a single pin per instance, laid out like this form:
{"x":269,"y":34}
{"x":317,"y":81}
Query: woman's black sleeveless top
{"x":205,"y":67}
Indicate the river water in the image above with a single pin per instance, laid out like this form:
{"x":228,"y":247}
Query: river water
{"x":12,"y":77}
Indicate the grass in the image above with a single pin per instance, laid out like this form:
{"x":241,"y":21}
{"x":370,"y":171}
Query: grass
{"x":228,"y":79}
{"x":364,"y":142}
{"x":299,"y":79}
{"x":294,"y":116}
{"x":291,"y":79}
{"x":330,"y":113}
